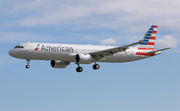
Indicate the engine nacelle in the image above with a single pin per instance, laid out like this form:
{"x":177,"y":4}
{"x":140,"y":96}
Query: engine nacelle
{"x":59,"y":64}
{"x":83,"y":59}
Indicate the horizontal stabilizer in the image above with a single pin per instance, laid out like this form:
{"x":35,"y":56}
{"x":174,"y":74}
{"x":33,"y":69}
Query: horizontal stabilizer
{"x":158,"y":50}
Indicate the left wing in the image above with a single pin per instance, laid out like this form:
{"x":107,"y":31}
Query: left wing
{"x":99,"y":55}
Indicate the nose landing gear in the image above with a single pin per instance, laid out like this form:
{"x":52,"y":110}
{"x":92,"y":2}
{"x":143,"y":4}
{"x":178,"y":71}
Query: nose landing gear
{"x":28,"y":66}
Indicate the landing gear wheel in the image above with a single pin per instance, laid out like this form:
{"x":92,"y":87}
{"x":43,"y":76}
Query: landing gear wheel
{"x":79,"y":69}
{"x":96,"y":66}
{"x":27,"y":66}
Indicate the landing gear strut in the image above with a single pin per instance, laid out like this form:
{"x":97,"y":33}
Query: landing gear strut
{"x":79,"y":69}
{"x":28,"y":66}
{"x":96,"y":66}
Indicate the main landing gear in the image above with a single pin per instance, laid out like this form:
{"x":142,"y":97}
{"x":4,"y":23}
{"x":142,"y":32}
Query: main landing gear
{"x":96,"y":66}
{"x":28,"y":66}
{"x":80,"y":69}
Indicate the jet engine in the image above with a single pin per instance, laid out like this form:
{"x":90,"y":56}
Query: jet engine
{"x":59,"y":64}
{"x":83,"y":58}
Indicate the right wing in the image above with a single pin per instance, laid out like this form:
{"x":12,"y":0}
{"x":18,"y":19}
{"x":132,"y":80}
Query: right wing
{"x":110,"y":52}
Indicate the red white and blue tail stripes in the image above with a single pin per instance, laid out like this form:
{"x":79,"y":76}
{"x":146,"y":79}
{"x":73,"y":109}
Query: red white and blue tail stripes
{"x":150,"y":37}
{"x":144,"y":51}
{"x":148,"y":43}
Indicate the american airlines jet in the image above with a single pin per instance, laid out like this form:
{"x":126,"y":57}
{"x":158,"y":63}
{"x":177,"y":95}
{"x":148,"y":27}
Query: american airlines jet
{"x":61,"y":55}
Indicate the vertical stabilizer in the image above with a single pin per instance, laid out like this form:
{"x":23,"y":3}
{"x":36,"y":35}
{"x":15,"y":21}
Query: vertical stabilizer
{"x":150,"y":37}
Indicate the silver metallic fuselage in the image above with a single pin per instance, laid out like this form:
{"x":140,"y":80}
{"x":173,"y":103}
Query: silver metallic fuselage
{"x":66,"y":52}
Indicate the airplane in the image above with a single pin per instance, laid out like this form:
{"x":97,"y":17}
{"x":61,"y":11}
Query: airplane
{"x":61,"y":55}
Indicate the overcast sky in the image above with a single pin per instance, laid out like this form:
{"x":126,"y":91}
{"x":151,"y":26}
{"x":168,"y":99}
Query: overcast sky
{"x":145,"y":85}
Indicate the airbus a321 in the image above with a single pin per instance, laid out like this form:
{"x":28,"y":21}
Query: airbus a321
{"x":61,"y":55}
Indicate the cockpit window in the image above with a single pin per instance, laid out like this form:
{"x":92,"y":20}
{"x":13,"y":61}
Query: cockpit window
{"x":19,"y":47}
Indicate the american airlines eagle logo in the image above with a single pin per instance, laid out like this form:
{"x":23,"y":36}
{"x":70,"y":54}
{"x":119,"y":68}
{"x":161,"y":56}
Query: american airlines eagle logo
{"x":37,"y":47}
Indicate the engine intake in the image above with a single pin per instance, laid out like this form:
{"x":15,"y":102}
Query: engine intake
{"x":59,"y":64}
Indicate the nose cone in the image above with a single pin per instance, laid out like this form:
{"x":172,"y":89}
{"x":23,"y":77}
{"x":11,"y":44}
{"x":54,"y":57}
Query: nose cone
{"x":16,"y":53}
{"x":12,"y":53}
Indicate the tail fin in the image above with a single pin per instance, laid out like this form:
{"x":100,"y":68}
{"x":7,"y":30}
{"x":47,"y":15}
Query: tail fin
{"x":150,"y":37}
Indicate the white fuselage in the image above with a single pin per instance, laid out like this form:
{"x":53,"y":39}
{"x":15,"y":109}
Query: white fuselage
{"x":66,"y":52}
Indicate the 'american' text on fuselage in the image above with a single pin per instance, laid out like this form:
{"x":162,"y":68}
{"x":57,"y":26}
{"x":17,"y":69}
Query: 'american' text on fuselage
{"x":56,"y":49}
